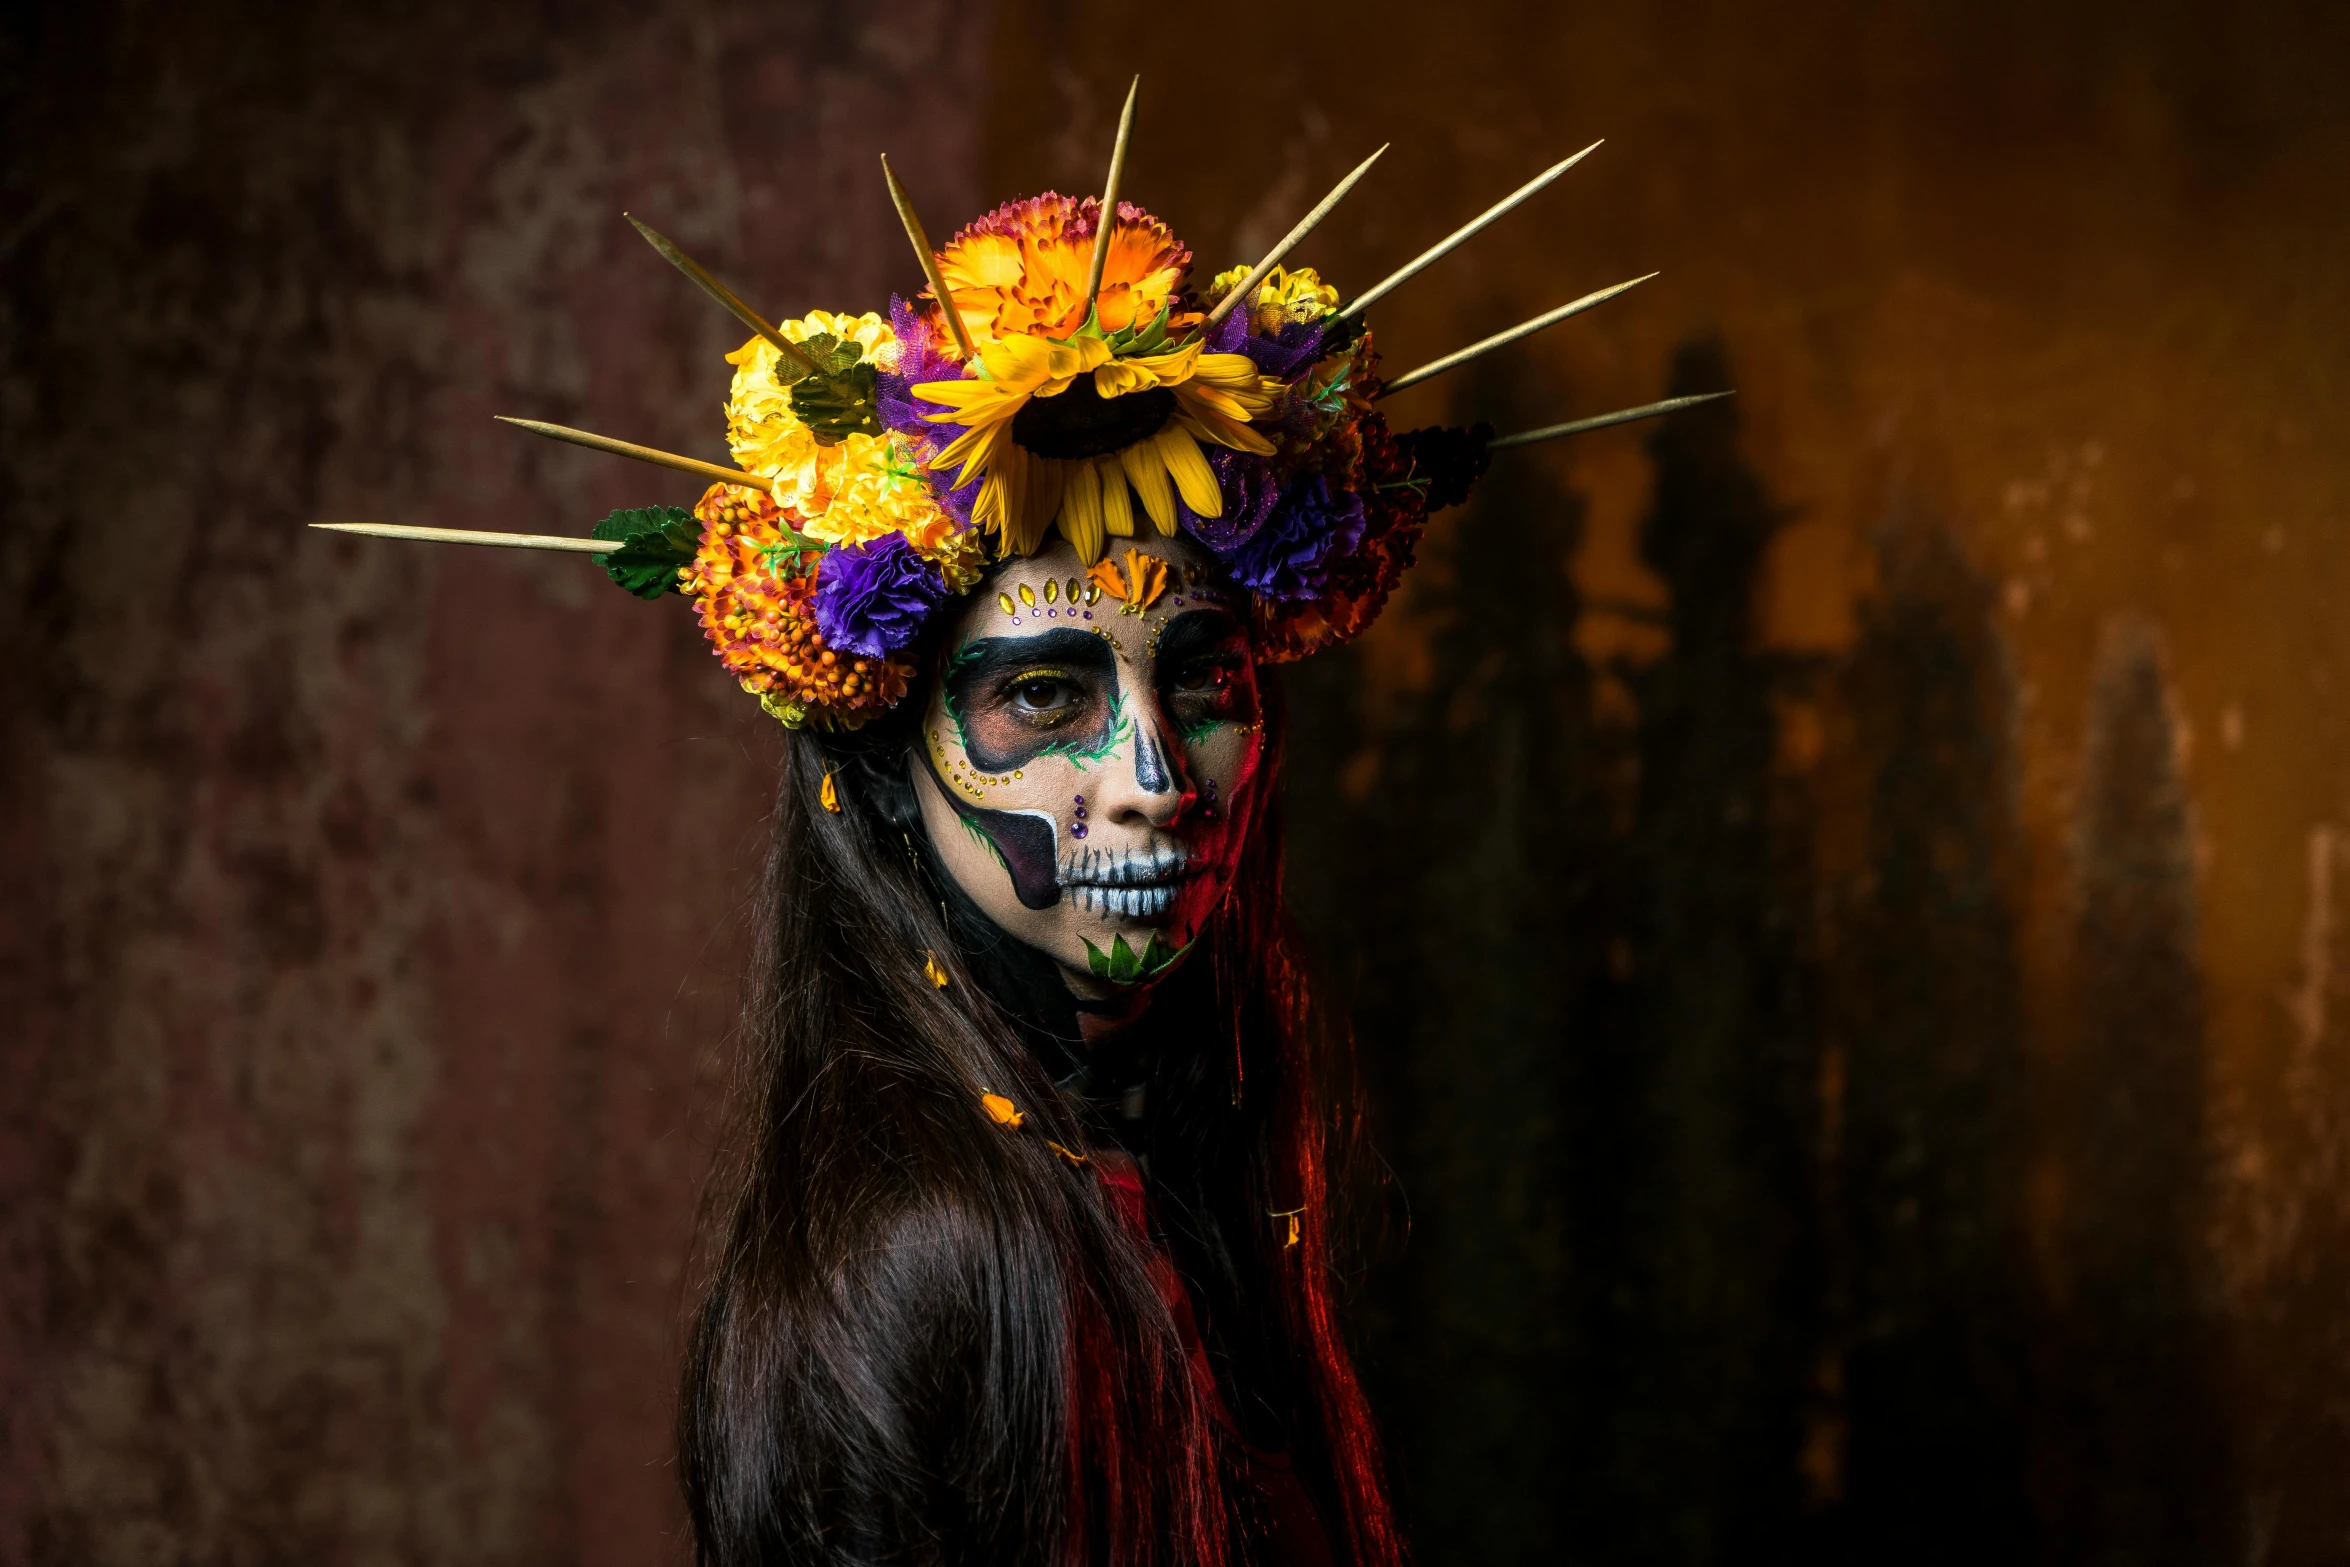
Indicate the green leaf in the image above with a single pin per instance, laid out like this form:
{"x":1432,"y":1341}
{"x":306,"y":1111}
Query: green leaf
{"x":1125,"y":967}
{"x":656,"y":542}
{"x":837,"y":399}
{"x":1149,"y":338}
{"x":1121,"y":965}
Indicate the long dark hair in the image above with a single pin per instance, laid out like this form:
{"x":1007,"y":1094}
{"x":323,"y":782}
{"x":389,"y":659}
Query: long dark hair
{"x":926,"y":1338}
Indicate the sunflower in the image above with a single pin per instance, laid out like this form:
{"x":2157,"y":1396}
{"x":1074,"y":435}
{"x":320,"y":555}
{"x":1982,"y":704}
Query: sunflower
{"x":1021,"y":270}
{"x":1069,"y":433}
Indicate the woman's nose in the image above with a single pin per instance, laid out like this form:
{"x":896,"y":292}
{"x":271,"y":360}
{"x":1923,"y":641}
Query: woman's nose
{"x":1146,"y":781}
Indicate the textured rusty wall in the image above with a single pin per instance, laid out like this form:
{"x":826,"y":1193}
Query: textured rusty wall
{"x":1843,"y":897}
{"x":1853,"y":983}
{"x":374,"y":912}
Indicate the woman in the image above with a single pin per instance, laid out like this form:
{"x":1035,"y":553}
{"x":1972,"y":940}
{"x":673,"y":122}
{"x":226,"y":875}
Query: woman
{"x":938,"y":1333}
{"x":1024,"y":1235}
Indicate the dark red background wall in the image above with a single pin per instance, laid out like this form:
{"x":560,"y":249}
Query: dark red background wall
{"x":1841,"y":897}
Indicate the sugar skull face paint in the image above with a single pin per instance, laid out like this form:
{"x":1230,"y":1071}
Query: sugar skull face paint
{"x":1088,"y":762}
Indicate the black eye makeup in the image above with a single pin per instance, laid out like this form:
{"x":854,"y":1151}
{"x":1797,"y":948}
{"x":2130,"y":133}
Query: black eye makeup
{"x":1015,"y":698}
{"x":1204,"y":672}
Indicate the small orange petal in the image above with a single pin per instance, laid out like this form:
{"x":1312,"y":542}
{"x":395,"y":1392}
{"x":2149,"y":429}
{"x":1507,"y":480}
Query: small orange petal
{"x":1105,"y":575}
{"x":1146,"y":576}
{"x":1002,"y":1111}
{"x":830,"y":796}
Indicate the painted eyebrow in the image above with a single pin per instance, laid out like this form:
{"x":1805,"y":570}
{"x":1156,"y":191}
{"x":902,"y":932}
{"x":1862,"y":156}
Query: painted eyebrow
{"x":1197,"y":631}
{"x":988,"y":657}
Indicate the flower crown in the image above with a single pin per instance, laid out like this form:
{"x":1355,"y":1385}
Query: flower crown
{"x":1059,"y":373}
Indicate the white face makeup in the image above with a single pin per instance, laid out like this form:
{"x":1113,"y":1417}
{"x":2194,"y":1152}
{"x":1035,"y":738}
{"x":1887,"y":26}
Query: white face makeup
{"x":1088,"y":767}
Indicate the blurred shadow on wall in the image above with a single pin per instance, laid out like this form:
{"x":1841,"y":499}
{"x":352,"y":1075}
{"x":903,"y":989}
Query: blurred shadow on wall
{"x":1697,"y":1042}
{"x":2139,"y":1470}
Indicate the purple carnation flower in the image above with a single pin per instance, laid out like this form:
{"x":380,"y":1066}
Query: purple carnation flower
{"x":1289,"y":556}
{"x":1249,"y":493}
{"x":872,"y":598}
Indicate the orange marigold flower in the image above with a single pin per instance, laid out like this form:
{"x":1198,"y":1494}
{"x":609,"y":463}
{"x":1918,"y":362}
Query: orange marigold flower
{"x":755,"y":599}
{"x":1021,"y":269}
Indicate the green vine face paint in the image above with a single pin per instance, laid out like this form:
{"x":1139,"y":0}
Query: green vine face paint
{"x":1088,"y":762}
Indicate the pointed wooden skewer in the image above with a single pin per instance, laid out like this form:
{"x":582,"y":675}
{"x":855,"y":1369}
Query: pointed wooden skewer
{"x":929,"y":259}
{"x":1248,"y":285}
{"x":512,"y":541}
{"x":1551,"y":432}
{"x":1454,"y":361}
{"x":1461,"y":235}
{"x":724,"y":295}
{"x":660,"y":459}
{"x":1109,"y":213}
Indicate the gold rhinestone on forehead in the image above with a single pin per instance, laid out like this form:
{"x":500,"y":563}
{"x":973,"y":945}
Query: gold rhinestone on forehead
{"x":1027,"y":595}
{"x":1005,"y":599}
{"x":1052,"y":589}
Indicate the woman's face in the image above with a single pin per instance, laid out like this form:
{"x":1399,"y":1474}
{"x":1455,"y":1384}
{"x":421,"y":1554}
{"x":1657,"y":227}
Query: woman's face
{"x":1088,"y":765}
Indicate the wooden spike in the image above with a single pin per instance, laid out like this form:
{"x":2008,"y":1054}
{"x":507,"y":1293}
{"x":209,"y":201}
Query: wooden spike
{"x":1466,"y":232}
{"x":724,"y":295}
{"x":604,"y":443}
{"x":929,"y":260}
{"x":512,"y":541}
{"x":1454,"y":361}
{"x":1552,"y":432}
{"x":1109,"y":214}
{"x":1322,"y":209}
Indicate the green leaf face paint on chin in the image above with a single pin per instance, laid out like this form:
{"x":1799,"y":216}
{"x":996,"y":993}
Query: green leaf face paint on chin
{"x":1121,"y":965}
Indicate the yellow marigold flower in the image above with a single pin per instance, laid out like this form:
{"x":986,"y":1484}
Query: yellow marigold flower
{"x":1285,"y":295}
{"x":959,"y":553}
{"x":850,"y":491}
{"x":861,"y":488}
{"x":764,"y":434}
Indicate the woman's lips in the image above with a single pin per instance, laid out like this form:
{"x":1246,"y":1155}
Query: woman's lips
{"x":1126,"y":884}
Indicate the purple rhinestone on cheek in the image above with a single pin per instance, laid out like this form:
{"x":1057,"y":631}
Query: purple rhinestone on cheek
{"x":1077,"y":831}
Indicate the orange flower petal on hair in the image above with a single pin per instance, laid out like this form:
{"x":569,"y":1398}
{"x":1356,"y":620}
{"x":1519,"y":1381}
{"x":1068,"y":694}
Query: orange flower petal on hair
{"x":1002,"y":1111}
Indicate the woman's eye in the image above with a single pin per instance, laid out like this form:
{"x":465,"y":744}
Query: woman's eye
{"x":1041,"y":695}
{"x":1202,"y":677}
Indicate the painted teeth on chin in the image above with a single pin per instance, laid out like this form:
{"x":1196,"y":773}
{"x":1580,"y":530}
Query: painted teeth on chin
{"x":1111,"y":868}
{"x":1124,"y":902}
